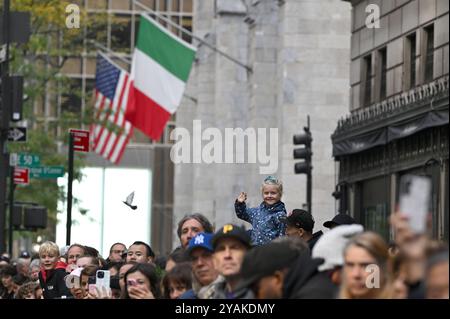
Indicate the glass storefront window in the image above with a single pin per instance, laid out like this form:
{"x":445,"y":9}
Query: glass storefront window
{"x":375,"y":205}
{"x":377,"y":219}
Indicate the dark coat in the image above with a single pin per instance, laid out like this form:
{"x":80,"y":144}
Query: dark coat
{"x":315,"y":237}
{"x":304,"y":281}
{"x":52,"y":282}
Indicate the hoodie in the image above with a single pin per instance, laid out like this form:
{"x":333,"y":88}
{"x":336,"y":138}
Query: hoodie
{"x":304,"y":281}
{"x":53,"y":282}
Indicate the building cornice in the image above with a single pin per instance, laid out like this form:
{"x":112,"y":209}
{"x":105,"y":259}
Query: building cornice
{"x":403,"y":106}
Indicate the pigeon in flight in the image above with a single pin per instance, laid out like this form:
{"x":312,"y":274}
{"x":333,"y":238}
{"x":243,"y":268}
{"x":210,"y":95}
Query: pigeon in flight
{"x":129,"y":201}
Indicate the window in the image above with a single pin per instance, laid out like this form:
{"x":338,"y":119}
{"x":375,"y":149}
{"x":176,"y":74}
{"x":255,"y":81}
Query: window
{"x":429,"y":53}
{"x":410,"y":61}
{"x":71,"y":96}
{"x":381,"y":76}
{"x":97,"y":29}
{"x":120,"y":33}
{"x":366,"y":77}
{"x":375,"y":205}
{"x":187,"y":24}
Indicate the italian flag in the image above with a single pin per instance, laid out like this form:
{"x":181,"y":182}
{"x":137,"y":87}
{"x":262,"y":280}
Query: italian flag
{"x":160,"y":70}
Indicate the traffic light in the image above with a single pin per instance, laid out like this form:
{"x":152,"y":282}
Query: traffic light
{"x":305,"y":152}
{"x":35,"y":217}
{"x":17,"y":216}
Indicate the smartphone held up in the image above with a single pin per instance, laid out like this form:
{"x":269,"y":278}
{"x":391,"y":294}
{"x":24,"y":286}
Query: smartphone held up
{"x":414,"y":200}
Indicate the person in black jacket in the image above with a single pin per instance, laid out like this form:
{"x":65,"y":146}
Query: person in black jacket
{"x":304,"y":281}
{"x":7,"y":274}
{"x":52,"y":274}
{"x":300,"y":223}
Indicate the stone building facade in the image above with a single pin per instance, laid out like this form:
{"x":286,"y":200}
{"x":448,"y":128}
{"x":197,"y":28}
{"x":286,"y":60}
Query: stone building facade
{"x":294,"y":57}
{"x":398,"y":120}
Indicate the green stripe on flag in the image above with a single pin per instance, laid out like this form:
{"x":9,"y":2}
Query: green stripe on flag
{"x":164,"y":49}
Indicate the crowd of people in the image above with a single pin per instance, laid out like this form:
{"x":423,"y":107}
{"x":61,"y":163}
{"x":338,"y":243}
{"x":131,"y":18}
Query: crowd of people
{"x":280,"y":257}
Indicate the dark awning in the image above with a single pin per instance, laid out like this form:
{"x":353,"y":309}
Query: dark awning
{"x":390,"y":133}
{"x":413,"y":126}
{"x":360,"y":143}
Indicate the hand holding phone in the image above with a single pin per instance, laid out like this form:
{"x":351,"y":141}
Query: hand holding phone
{"x":132,"y":282}
{"x":92,"y":290}
{"x":102,"y":279}
{"x":415,"y":194}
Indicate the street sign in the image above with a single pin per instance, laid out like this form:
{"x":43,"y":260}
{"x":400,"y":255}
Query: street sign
{"x":21,"y":176}
{"x":28,"y":160}
{"x":80,"y":140}
{"x":46,"y":172}
{"x":17,"y":134}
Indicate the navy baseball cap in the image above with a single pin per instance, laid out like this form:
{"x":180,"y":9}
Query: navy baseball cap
{"x":201,"y":240}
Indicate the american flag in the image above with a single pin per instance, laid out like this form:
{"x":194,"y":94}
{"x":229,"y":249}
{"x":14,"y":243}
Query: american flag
{"x":110,"y":131}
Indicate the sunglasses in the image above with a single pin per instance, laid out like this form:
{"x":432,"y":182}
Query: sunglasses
{"x":271,"y":179}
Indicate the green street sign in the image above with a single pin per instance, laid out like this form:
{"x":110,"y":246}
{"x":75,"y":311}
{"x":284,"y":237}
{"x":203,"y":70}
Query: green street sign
{"x":46,"y":172}
{"x":28,"y":160}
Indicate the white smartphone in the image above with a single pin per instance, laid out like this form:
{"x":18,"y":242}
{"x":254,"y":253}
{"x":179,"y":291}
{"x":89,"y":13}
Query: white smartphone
{"x":415,"y":194}
{"x":102,"y":279}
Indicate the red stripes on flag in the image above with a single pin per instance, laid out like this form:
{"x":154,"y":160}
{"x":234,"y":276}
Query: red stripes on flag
{"x":146,"y":114}
{"x":111,"y":132}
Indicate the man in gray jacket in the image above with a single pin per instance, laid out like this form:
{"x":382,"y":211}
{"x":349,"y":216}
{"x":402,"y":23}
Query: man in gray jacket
{"x":230,"y":244}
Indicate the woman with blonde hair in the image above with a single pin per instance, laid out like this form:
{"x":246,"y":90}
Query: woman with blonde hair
{"x":367,"y":271}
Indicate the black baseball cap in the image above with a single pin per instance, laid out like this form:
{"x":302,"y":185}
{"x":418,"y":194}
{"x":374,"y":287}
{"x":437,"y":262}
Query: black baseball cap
{"x":5,"y":259}
{"x":232,"y":231}
{"x":264,"y":260}
{"x":339,"y":219}
{"x":299,"y":218}
{"x":25,"y":254}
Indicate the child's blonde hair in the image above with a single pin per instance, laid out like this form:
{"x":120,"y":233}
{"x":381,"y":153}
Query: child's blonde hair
{"x":49,"y":248}
{"x":270,"y":180}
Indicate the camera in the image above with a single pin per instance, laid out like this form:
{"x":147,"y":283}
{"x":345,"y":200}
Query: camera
{"x":100,"y":274}
{"x":91,"y":280}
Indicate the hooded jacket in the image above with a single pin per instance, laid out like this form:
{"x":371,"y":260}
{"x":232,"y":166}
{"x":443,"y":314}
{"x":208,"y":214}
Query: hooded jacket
{"x":304,"y":281}
{"x":53,"y":283}
{"x":265,"y":221}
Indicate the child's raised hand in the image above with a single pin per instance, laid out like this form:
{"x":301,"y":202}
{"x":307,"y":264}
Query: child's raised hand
{"x":242,"y":197}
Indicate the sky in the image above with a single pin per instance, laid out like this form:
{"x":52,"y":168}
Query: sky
{"x":103,"y":190}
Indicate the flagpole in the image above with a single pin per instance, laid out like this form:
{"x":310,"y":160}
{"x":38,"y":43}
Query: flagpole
{"x":111,"y":52}
{"x":249,"y":69}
